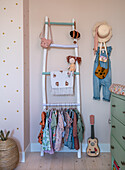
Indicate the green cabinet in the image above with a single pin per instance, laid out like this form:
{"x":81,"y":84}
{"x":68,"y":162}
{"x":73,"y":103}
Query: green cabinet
{"x":118,"y":129}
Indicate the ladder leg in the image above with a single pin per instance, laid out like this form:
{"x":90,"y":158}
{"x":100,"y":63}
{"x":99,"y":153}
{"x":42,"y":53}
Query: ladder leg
{"x":44,"y":78}
{"x":44,"y":65}
{"x":79,"y":153}
{"x":78,"y":97}
{"x":42,"y":153}
{"x":44,"y":70}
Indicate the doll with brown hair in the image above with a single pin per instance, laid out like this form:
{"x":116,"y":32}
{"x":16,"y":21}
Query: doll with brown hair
{"x":72,"y":60}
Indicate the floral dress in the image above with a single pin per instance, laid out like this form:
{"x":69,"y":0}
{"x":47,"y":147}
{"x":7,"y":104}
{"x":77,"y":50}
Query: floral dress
{"x":59,"y":132}
{"x":70,"y":142}
{"x":53,"y":127}
{"x":50,"y":134}
{"x":46,"y":137}
{"x":68,"y":125}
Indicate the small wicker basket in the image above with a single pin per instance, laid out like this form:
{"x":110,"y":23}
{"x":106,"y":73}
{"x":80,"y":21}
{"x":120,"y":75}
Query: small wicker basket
{"x":9,"y":154}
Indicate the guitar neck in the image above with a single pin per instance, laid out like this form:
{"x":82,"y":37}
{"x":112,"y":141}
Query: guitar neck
{"x":92,"y":132}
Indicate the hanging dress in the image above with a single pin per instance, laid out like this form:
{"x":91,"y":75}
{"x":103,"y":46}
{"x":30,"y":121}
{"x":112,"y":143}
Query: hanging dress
{"x":70,"y":137}
{"x":50,"y":133}
{"x":42,"y":123}
{"x":68,"y":125}
{"x":53,"y":127}
{"x":59,"y":132}
{"x":80,"y":126}
{"x":75,"y":135}
{"x":46,"y":137}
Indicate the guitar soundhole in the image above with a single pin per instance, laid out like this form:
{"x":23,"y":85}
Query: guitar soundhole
{"x":92,"y":143}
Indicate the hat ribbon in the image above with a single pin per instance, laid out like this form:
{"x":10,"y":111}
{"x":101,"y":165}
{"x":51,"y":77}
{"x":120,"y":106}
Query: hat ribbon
{"x":96,"y":41}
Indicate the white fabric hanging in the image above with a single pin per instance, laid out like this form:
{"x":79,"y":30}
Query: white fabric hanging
{"x":61,"y":83}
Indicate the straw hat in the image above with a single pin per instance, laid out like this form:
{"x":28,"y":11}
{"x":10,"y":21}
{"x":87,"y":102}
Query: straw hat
{"x":104,"y":31}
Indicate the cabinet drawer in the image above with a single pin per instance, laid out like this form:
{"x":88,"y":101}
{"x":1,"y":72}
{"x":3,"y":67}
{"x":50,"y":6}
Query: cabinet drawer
{"x":118,"y":153}
{"x":118,"y":131}
{"x":118,"y":108}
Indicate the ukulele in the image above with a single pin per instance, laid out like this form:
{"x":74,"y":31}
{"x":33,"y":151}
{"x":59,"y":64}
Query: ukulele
{"x":92,"y":148}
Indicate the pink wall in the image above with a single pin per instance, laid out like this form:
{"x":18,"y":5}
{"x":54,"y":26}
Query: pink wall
{"x":14,"y":64}
{"x":17,"y":74}
{"x":26,"y":74}
{"x":86,"y":14}
{"x":11,"y":72}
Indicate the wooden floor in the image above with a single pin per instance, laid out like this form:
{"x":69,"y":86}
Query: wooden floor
{"x":65,"y":161}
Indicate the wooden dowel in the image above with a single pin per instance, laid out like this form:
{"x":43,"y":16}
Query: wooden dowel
{"x":60,"y":23}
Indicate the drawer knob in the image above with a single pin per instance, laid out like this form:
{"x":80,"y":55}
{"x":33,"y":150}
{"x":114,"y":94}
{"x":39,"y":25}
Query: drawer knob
{"x":123,"y":137}
{"x":112,"y":147}
{"x":113,"y":105}
{"x":113,"y":126}
{"x":123,"y":163}
{"x":124,"y":112}
{"x":109,"y":121}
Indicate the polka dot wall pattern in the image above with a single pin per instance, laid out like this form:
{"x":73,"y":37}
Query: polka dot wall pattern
{"x":11,"y":67}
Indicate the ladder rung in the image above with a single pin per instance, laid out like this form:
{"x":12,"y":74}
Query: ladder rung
{"x":62,"y":104}
{"x":48,"y":73}
{"x":60,"y":23}
{"x":64,"y":46}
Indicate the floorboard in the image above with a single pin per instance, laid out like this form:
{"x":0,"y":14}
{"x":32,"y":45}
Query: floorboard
{"x":65,"y":161}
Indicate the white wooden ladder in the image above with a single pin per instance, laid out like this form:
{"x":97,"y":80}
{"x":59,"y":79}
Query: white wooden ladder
{"x":44,"y":73}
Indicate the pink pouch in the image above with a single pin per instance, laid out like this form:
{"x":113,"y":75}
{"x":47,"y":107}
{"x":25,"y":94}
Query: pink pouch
{"x":45,"y":43}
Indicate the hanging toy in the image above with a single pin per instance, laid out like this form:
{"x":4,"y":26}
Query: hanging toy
{"x":75,"y":34}
{"x":72,"y":60}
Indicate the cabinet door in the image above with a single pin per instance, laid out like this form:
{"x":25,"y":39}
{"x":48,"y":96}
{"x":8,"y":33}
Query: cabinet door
{"x":118,"y":108}
{"x":118,"y":131}
{"x":118,"y":153}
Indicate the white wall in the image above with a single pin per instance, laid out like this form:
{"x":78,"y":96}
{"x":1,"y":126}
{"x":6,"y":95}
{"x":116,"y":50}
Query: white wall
{"x":86,"y":14}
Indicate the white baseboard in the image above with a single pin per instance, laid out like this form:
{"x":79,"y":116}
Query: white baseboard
{"x":28,"y":149}
{"x":104,"y":147}
{"x":22,"y":155}
{"x":35,"y":147}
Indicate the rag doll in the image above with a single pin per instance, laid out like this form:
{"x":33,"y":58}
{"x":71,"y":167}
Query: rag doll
{"x":72,"y":60}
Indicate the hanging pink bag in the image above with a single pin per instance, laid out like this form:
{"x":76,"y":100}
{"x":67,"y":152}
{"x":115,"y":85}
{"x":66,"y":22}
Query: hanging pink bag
{"x":45,"y":43}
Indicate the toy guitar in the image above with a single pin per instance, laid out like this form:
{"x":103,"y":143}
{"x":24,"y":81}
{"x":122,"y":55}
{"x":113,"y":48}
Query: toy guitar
{"x":92,"y":149}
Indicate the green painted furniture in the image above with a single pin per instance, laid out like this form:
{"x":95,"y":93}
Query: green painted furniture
{"x":118,"y":130}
